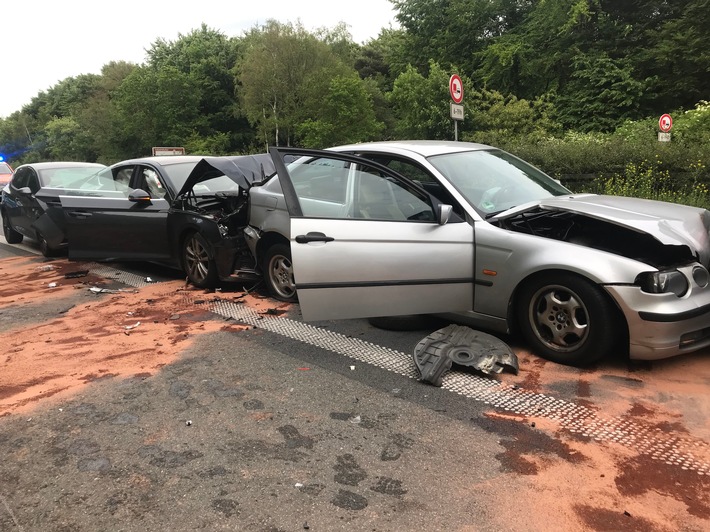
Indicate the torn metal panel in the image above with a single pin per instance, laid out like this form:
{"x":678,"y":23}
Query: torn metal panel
{"x":456,"y":344}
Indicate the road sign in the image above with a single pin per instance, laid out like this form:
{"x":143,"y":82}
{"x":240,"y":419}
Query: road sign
{"x":664,"y":137}
{"x":665,"y":123}
{"x":456,"y":88}
{"x":456,"y":111}
{"x":168,"y":150}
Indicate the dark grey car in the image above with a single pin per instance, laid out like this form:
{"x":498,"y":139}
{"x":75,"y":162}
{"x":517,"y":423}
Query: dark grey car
{"x":25,"y":214}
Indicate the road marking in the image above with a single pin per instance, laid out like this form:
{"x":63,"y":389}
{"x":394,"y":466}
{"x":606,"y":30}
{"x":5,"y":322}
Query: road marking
{"x":577,"y":419}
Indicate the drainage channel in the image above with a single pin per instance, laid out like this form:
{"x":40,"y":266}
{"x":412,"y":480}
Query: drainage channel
{"x":684,"y":452}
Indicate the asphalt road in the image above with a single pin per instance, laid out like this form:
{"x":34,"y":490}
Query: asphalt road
{"x":324,"y":426}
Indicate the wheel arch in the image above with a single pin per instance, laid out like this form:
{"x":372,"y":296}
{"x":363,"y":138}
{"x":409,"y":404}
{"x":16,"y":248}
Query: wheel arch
{"x":266,"y":241}
{"x":515,"y":301}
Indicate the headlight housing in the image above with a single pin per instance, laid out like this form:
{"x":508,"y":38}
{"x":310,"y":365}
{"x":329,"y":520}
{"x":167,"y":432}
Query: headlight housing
{"x":663,"y":282}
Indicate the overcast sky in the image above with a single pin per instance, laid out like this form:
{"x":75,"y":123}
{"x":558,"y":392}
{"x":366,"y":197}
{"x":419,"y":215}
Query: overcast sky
{"x":46,"y":41}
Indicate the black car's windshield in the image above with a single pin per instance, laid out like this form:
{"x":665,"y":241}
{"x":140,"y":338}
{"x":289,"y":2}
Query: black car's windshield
{"x":493,"y":180}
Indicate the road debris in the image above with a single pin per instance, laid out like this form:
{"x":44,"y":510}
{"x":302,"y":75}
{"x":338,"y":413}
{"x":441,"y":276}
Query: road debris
{"x":52,"y":285}
{"x":456,"y":344}
{"x":129,"y":327}
{"x":75,"y":274}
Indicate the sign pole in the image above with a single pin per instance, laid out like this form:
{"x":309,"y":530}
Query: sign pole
{"x":456,"y":91}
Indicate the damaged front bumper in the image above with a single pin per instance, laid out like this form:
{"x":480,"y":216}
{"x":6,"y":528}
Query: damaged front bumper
{"x":664,"y":325}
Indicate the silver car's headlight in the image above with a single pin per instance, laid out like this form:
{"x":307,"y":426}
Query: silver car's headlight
{"x":663,"y":282}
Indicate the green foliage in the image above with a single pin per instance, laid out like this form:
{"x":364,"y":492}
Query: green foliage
{"x":421,"y":104}
{"x":281,"y":67}
{"x":68,"y":141}
{"x":649,"y":180}
{"x":156,"y":108}
{"x":346,"y":116}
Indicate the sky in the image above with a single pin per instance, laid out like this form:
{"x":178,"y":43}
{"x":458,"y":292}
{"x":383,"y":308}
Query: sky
{"x":45,"y":41}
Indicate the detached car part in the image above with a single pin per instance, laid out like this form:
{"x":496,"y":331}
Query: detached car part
{"x":456,"y":344}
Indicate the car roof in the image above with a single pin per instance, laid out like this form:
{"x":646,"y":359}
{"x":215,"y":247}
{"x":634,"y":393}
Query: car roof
{"x":424,"y":148}
{"x":60,"y":164}
{"x":163,"y":160}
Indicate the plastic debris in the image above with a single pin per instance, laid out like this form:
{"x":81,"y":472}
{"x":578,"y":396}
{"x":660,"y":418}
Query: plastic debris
{"x":355,"y":420}
{"x":352,"y":368}
{"x":148,"y":280}
{"x":129,"y":327}
{"x":298,"y":485}
{"x":456,"y":344}
{"x":45,"y":268}
{"x":52,"y":285}
{"x":75,"y":274}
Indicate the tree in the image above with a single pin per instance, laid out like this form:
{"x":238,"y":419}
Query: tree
{"x":281,"y":66}
{"x":347,"y":115}
{"x":156,"y":108}
{"x":208,"y":58}
{"x":421,"y":104}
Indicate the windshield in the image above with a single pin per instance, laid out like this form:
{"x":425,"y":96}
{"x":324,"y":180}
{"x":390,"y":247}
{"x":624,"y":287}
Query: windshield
{"x":5,"y":168}
{"x":493,"y":181}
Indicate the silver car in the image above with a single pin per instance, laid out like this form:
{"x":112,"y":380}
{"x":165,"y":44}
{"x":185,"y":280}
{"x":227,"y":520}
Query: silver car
{"x":472,"y":232}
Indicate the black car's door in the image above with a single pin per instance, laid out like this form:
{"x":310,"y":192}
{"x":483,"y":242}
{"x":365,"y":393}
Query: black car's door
{"x":126,"y":223}
{"x":24,"y":208}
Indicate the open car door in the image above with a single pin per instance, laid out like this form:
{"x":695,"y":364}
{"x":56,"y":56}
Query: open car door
{"x":366,"y":241}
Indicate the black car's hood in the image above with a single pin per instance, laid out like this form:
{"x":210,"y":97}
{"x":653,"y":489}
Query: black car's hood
{"x":244,"y":170}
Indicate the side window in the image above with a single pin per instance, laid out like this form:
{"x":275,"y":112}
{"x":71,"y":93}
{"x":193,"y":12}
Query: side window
{"x":379,"y":197}
{"x":413,"y":171}
{"x":107,"y":181}
{"x":333,"y":188}
{"x":152,"y":183}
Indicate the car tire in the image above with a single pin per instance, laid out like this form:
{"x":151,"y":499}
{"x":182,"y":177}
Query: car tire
{"x":45,"y":248}
{"x":198,"y":262}
{"x":567,"y":319}
{"x":278,"y":273}
{"x":12,"y":236}
{"x":410,"y":322}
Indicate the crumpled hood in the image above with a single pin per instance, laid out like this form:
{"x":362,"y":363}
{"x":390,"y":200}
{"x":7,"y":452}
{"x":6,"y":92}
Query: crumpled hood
{"x":244,"y":170}
{"x":669,"y":223}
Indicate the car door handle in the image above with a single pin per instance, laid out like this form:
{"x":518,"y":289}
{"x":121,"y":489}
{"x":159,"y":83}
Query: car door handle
{"x":79,"y":214}
{"x":313,"y":237}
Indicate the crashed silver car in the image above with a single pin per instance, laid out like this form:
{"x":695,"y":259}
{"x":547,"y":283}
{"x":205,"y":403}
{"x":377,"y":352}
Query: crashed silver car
{"x":472,"y":232}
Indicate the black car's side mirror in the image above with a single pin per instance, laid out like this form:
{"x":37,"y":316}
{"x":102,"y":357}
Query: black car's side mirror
{"x":139,"y":196}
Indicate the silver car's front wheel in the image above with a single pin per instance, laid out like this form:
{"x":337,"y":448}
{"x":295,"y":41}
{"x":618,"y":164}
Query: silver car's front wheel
{"x":278,"y":272}
{"x":567,"y":319}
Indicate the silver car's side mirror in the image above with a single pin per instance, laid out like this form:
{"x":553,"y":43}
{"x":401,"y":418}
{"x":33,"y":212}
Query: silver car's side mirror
{"x":444,"y":212}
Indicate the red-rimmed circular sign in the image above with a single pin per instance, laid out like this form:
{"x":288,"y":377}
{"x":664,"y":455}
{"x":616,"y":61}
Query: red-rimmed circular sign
{"x":665,"y":123}
{"x":456,"y":88}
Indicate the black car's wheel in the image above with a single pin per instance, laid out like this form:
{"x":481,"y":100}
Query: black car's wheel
{"x":45,"y":248}
{"x":12,"y":236}
{"x":197,"y":261}
{"x":567,"y":319}
{"x":278,"y":272}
